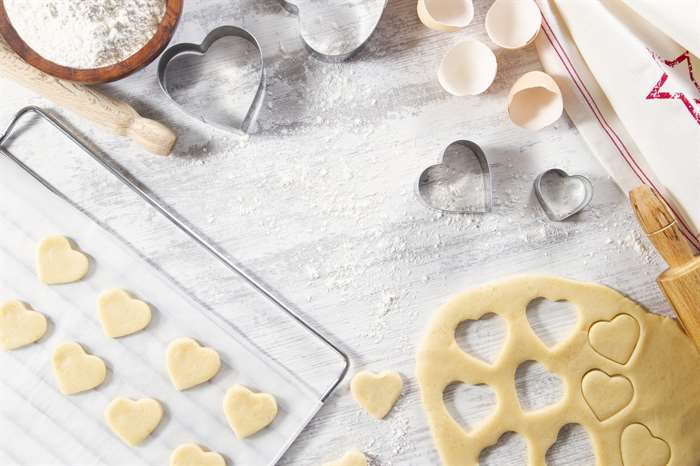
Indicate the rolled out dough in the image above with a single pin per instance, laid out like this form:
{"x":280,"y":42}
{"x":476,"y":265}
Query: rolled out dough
{"x":656,"y":423}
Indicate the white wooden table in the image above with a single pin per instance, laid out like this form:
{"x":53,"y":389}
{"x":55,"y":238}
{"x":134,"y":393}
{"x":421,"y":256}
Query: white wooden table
{"x":321,"y":202}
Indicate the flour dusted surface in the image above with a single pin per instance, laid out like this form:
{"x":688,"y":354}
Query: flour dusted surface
{"x":86,"y":33}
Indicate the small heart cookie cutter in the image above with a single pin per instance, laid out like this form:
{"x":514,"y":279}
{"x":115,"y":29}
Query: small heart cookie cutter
{"x":243,"y":126}
{"x":451,"y":200}
{"x":552,"y":213}
{"x":325,"y":34}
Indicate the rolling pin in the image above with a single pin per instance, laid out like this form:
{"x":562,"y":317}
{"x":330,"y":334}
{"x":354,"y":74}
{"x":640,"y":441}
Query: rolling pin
{"x":116,"y":116}
{"x":681,"y":281}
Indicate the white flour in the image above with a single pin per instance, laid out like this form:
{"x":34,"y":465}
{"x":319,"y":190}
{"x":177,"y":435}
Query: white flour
{"x":86,"y":33}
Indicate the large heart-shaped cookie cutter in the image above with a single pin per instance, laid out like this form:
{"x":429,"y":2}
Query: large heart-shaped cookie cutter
{"x":323,"y":25}
{"x":438,"y":175}
{"x":242,"y":126}
{"x":546,"y":203}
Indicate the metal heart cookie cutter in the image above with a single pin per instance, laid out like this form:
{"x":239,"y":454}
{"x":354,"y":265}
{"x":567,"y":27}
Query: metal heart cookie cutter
{"x":562,"y":195}
{"x":334,"y":30}
{"x":460,"y":182}
{"x":237,"y":125}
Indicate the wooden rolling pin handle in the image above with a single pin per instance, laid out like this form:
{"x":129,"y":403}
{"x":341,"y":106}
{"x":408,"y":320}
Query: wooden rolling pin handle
{"x":115,"y":115}
{"x":660,"y":226}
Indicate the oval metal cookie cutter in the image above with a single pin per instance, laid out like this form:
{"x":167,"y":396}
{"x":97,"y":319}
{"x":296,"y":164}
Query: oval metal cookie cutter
{"x":449,"y":185}
{"x":242,"y":126}
{"x":335,"y":30}
{"x":556,"y":192}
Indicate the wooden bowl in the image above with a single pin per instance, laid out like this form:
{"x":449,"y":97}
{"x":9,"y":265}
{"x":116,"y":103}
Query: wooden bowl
{"x":144,"y":56}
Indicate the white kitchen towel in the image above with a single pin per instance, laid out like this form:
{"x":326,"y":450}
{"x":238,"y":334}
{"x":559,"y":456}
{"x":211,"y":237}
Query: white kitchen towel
{"x":629,"y":87}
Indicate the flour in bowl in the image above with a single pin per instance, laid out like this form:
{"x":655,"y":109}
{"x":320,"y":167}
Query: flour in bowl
{"x":85,"y":33}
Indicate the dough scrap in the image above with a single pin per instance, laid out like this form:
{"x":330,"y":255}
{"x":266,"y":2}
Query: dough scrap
{"x":57,"y":262}
{"x":248,"y":412}
{"x":640,"y":447}
{"x":133,"y":421}
{"x":662,"y":369}
{"x":75,"y":370}
{"x":351,"y":458}
{"x":190,"y":364}
{"x":190,"y":454}
{"x":376,"y":393}
{"x":120,"y":314}
{"x":606,"y":395}
{"x":19,"y":326}
{"x":615,"y":339}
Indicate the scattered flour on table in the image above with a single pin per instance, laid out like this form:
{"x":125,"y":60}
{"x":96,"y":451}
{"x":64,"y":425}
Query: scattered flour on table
{"x":86,"y":33}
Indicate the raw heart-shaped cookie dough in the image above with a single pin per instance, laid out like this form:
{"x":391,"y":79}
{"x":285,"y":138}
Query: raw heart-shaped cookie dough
{"x":191,"y":454}
{"x":248,"y":412}
{"x":663,"y":369}
{"x":606,"y":395}
{"x":641,"y":448}
{"x":190,"y":364}
{"x":615,"y":339}
{"x":57,"y":262}
{"x":133,"y":421}
{"x":75,"y":370}
{"x":120,"y":314}
{"x":351,"y":458}
{"x":376,"y":393}
{"x":19,"y":326}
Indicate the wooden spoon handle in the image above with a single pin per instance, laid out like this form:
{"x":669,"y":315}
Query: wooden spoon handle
{"x":115,"y":115}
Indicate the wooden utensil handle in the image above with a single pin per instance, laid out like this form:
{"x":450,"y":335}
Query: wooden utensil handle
{"x":115,"y":115}
{"x":660,"y":226}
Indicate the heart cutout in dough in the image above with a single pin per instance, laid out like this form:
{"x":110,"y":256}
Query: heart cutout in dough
{"x":57,"y":262}
{"x":376,"y":393}
{"x":640,"y":447}
{"x":606,"y":395}
{"x":615,"y":339}
{"x":191,"y":454}
{"x":19,"y":326}
{"x":351,"y":458}
{"x":248,"y":412}
{"x":133,"y":421}
{"x":552,"y":321}
{"x":483,"y":338}
{"x":190,"y":364}
{"x":120,"y":314}
{"x":75,"y":370}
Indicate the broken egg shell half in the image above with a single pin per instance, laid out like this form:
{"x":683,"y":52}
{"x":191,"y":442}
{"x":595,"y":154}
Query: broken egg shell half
{"x":468,"y":68}
{"x":535,"y":101}
{"x":446,"y":15}
{"x":513,"y":24}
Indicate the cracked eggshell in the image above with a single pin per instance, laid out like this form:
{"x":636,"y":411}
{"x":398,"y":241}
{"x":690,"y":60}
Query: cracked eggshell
{"x":535,"y":101}
{"x":513,"y":24}
{"x":468,"y":68}
{"x":446,"y":15}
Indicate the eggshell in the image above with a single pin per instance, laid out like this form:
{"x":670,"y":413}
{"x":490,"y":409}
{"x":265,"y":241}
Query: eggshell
{"x":446,"y":15}
{"x":513,"y":24}
{"x":535,"y":101}
{"x":468,"y":68}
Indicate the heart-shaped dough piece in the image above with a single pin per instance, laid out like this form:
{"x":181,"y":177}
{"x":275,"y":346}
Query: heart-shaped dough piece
{"x":191,"y":454}
{"x":57,"y":262}
{"x":133,"y":421}
{"x":190,"y":364}
{"x":75,"y":370}
{"x":641,"y":448}
{"x":120,"y":314}
{"x":248,"y":412}
{"x":19,"y":326}
{"x":376,"y":393}
{"x":606,"y":395}
{"x":615,"y":339}
{"x":351,"y":458}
